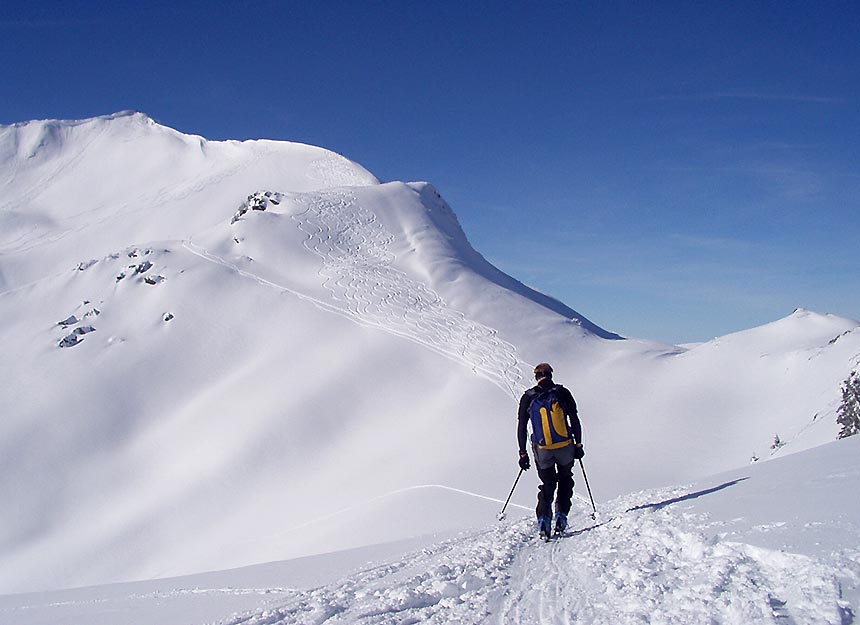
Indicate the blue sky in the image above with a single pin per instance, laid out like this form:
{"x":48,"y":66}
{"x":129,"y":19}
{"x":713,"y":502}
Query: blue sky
{"x":672,"y":170}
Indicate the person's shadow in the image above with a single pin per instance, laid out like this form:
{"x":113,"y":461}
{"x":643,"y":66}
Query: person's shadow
{"x":687,"y":497}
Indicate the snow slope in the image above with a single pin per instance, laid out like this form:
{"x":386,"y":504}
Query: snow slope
{"x":220,"y":353}
{"x":776,"y":542}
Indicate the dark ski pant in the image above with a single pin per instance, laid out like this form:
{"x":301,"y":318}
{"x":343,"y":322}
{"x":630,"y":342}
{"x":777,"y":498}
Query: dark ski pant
{"x":555,"y":469}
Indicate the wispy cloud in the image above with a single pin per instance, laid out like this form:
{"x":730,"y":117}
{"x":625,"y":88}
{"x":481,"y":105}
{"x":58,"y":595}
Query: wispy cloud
{"x":749,"y":95}
{"x":35,"y":24}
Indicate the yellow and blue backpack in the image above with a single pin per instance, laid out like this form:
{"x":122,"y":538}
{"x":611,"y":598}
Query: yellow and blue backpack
{"x":549,"y":424}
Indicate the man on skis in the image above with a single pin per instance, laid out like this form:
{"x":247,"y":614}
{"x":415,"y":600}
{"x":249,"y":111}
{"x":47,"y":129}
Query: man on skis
{"x":556,"y":445}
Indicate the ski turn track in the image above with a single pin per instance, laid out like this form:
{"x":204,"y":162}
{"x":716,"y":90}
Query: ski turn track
{"x":357,"y":270}
{"x":363,"y":285}
{"x":642,"y":566}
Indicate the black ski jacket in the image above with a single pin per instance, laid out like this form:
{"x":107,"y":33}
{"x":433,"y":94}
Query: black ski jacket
{"x":568,"y":404}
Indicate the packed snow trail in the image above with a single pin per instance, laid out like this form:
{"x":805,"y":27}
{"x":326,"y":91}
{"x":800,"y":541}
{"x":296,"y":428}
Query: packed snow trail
{"x":643,"y":567}
{"x":645,"y":564}
{"x":677,"y":556}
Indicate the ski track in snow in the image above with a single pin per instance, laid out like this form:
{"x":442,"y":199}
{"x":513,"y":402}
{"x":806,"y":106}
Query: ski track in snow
{"x":645,"y":564}
{"x":641,"y":566}
{"x":338,"y":513}
{"x":358,"y":271}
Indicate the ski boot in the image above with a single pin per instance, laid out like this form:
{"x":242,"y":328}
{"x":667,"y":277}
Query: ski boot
{"x":545,"y":528}
{"x":560,"y":523}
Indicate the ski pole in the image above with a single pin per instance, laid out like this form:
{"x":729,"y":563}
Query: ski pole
{"x":502,"y":513}
{"x":593,"y":507}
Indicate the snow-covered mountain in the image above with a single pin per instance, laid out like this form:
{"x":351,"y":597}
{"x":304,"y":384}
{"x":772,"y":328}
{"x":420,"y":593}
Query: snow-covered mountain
{"x":224,"y":353}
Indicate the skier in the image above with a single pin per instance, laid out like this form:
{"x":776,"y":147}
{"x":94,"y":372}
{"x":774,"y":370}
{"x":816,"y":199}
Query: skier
{"x":556,"y":445}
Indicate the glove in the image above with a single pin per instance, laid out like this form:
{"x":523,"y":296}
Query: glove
{"x":525,"y":465}
{"x":578,"y":452}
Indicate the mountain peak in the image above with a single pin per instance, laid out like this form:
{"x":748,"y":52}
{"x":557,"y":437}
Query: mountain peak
{"x":127,"y":115}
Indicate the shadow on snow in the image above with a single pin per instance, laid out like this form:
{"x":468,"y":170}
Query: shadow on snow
{"x":687,"y":497}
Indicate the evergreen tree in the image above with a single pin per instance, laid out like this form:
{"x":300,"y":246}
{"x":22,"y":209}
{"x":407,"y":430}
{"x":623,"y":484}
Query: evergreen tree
{"x":848,"y":414}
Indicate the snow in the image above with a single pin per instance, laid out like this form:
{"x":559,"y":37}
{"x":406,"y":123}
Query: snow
{"x":774,"y":542}
{"x":220,"y":354}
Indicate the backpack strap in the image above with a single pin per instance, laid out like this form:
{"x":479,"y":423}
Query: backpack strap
{"x":532,"y":394}
{"x":537,"y":391}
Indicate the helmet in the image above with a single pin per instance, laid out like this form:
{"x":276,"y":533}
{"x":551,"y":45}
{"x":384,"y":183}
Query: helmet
{"x":543,"y":370}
